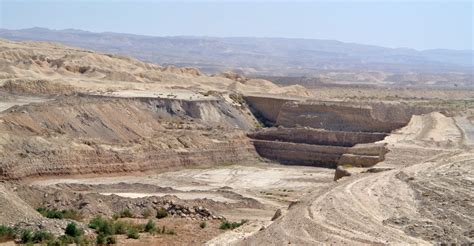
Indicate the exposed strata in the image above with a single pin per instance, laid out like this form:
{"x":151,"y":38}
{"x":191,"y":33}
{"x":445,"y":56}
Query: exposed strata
{"x":320,"y":155}
{"x":336,"y":116}
{"x":110,"y":135}
{"x":317,"y":136}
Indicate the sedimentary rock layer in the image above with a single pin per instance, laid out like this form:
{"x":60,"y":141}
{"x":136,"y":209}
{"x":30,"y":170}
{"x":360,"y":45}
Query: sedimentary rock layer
{"x":84,"y":135}
{"x":319,"y":155}
{"x":317,"y":136}
{"x":336,"y":116}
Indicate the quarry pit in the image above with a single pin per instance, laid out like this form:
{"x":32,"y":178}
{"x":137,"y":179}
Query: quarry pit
{"x":138,"y":137}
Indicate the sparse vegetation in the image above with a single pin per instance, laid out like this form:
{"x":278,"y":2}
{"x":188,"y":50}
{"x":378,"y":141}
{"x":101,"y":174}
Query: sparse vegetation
{"x":73,"y":231}
{"x":203,"y":225}
{"x":161,"y":213}
{"x":60,"y":214}
{"x":126,"y":214}
{"x":133,"y":233}
{"x":225,"y":225}
{"x":42,"y":237}
{"x":6,"y":233}
{"x":150,"y":226}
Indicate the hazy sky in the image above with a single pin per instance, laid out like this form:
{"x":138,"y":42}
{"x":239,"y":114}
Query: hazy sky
{"x":420,"y":25}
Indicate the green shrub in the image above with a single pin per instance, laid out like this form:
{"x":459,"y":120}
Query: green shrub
{"x":202,"y":225}
{"x":126,"y":214}
{"x":6,"y":233}
{"x":64,"y":214}
{"x":225,"y":225}
{"x":106,"y":228}
{"x":72,"y":214}
{"x":55,"y":242}
{"x":73,"y":231}
{"x":26,"y":236}
{"x":161,"y":213}
{"x":42,"y":236}
{"x":101,"y":225}
{"x":115,"y":216}
{"x":150,"y":226}
{"x":66,"y":239}
{"x":121,"y":227}
{"x":101,"y":239}
{"x":133,"y":233}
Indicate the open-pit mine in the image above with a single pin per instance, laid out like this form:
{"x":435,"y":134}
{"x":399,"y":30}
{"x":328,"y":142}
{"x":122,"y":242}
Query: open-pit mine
{"x":129,"y":152}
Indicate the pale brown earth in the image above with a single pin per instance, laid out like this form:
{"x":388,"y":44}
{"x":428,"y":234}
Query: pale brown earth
{"x":426,"y":197}
{"x":100,"y":133}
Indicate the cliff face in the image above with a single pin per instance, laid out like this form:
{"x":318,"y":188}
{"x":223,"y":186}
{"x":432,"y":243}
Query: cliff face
{"x":316,"y":147}
{"x":336,"y":116}
{"x":83,"y":135}
{"x":317,"y":136}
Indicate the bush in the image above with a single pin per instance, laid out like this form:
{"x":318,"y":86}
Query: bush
{"x":101,"y":239}
{"x":150,"y":226}
{"x":6,"y":233}
{"x":64,"y":214}
{"x":56,"y":242}
{"x":26,"y":237}
{"x":42,"y":236}
{"x":101,"y":225}
{"x":72,"y":214}
{"x":66,"y":239}
{"x":105,"y":240}
{"x":225,"y":225}
{"x":120,"y":227}
{"x":161,"y":213}
{"x":133,"y":233}
{"x":202,"y":225}
{"x":126,"y":214}
{"x":73,"y":231}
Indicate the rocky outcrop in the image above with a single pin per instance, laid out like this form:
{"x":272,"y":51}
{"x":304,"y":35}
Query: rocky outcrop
{"x":340,"y":172}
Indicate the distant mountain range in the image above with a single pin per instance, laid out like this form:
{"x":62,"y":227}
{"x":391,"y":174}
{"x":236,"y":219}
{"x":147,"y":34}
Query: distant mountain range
{"x":260,"y":56}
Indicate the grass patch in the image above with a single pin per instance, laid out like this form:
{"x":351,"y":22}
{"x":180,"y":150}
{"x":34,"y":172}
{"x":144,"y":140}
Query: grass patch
{"x":6,"y":234}
{"x":150,"y":226}
{"x":133,"y":233}
{"x":60,"y":214}
{"x":226,"y":225}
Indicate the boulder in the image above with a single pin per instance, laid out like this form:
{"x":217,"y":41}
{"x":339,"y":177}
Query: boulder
{"x":340,"y":172}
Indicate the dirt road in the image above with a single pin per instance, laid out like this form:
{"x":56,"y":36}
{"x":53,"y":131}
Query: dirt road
{"x":415,"y":202}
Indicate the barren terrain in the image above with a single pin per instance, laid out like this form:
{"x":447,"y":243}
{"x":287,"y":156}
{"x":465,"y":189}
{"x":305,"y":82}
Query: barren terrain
{"x":105,"y":135}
